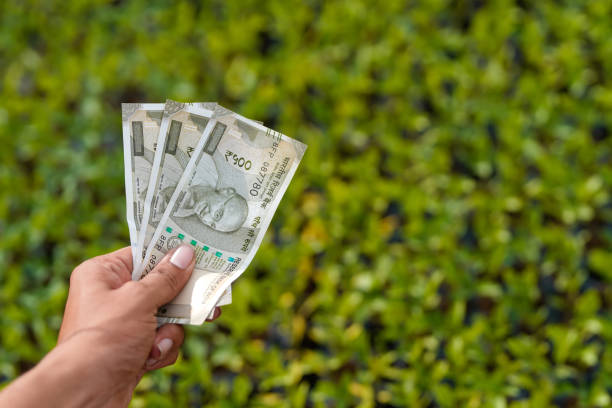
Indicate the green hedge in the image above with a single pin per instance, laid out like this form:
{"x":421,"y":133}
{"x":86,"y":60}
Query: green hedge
{"x":445,"y":242}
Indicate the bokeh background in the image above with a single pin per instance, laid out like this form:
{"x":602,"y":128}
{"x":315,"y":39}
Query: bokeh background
{"x":446,"y":240}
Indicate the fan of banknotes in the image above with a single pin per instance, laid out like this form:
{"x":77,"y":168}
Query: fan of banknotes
{"x":200,"y":174}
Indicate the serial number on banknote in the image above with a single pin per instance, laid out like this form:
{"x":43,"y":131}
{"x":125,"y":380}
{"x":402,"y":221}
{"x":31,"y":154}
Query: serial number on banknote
{"x":259,"y":179}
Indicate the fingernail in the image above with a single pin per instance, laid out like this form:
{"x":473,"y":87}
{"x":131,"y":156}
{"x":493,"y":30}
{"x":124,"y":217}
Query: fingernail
{"x":182,"y":257}
{"x":217,"y":312}
{"x":164,"y":346}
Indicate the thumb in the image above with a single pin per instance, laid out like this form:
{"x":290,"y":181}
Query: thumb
{"x":167,"y":279}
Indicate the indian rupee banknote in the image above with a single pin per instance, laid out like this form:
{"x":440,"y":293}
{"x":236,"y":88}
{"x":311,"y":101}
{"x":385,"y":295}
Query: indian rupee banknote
{"x":140,"y":123}
{"x":168,"y":172}
{"x":171,"y":161}
{"x":168,"y":153}
{"x":178,"y":136}
{"x":222,"y":205}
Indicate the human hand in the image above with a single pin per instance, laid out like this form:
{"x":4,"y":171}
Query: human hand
{"x":108,"y":338}
{"x":115,"y":316}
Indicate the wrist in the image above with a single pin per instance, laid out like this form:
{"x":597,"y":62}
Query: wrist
{"x":68,"y":376}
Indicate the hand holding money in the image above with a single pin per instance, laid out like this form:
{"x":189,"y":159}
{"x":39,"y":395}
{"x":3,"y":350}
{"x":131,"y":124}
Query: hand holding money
{"x":202,"y":175}
{"x":202,"y":184}
{"x":109,"y":336}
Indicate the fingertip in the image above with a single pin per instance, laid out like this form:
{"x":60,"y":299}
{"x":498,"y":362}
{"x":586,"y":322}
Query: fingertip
{"x":172,"y":331}
{"x":168,"y":340}
{"x":215,"y":315}
{"x":182,"y":256}
{"x":169,"y":277}
{"x":153,"y":364}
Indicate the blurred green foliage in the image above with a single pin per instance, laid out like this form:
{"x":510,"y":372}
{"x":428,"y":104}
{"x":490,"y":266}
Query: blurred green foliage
{"x":447,"y":240}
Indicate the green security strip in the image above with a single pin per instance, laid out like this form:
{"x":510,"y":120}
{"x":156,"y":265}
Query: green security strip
{"x":218,"y":254}
{"x":181,"y":236}
{"x":205,"y":248}
{"x":168,"y":229}
{"x":193,"y":242}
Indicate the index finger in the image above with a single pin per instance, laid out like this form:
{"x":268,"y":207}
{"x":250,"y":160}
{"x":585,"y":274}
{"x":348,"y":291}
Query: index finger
{"x":114,"y":268}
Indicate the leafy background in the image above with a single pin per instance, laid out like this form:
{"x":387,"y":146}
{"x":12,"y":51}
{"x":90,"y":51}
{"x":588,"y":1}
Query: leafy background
{"x":445,"y":242}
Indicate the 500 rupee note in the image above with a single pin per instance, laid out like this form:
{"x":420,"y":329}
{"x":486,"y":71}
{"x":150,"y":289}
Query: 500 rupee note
{"x":180,"y":130}
{"x":140,"y":123}
{"x":222,"y":206}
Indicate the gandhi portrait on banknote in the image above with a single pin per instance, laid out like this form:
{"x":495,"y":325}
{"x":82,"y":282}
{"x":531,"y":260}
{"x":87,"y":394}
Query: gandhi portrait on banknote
{"x":220,"y":208}
{"x":223,"y":209}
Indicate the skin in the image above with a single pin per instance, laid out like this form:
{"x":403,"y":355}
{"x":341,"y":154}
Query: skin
{"x":109,"y":337}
